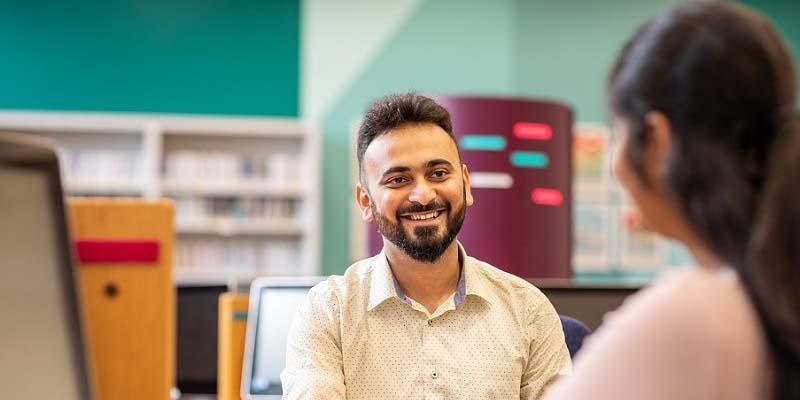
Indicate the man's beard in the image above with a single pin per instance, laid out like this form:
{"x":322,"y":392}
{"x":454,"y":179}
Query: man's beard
{"x":427,"y":247}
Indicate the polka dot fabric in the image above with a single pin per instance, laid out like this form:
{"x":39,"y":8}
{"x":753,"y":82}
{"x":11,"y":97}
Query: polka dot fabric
{"x":355,"y":338}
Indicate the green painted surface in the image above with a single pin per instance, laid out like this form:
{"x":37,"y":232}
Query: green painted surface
{"x":564,"y":49}
{"x":785,"y":14}
{"x":178,"y":56}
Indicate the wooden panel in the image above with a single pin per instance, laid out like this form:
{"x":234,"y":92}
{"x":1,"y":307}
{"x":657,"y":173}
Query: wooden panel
{"x":129,"y":307}
{"x":232,"y":325}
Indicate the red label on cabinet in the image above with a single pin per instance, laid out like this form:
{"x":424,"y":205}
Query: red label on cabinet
{"x":116,"y":251}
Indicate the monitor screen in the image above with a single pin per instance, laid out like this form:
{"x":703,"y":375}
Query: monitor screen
{"x":197,"y":338}
{"x":276,"y":309}
{"x":40,"y":334}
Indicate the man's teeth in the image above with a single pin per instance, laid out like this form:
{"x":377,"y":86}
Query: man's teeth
{"x":419,"y":217}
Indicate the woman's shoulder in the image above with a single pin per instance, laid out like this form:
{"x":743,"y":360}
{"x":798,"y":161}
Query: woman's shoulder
{"x":704,"y":293}
{"x":703,"y":298}
{"x":671,"y":340}
{"x":696,"y":310}
{"x":686,"y":336}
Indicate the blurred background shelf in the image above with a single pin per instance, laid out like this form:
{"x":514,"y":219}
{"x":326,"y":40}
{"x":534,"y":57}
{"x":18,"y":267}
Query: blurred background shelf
{"x":224,"y":227}
{"x":237,"y":189}
{"x":245,"y":188}
{"x":104,"y":187}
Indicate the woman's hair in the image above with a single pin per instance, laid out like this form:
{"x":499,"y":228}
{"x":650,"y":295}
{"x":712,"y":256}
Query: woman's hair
{"x":773,"y":270}
{"x":722,"y":76}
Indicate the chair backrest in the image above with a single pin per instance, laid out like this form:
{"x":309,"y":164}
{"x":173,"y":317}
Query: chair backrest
{"x":574,"y":332}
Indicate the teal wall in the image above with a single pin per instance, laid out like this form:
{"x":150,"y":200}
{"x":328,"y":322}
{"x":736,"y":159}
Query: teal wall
{"x":243,"y":57}
{"x":785,"y":14}
{"x":563,"y":49}
{"x":536,"y":48}
{"x":180,"y":56}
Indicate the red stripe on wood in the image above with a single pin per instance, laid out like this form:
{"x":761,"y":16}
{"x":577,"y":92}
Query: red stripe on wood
{"x":117,"y":251}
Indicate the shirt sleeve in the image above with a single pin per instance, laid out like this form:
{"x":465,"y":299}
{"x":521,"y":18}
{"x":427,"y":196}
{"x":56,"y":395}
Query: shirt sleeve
{"x":313,"y":353}
{"x":548,"y":358}
{"x":654,"y":347}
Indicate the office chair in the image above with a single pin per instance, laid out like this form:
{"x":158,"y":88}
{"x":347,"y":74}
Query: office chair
{"x":574,"y":332}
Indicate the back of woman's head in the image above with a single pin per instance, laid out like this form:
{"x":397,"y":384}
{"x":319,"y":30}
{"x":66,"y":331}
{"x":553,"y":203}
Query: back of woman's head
{"x":725,"y":81}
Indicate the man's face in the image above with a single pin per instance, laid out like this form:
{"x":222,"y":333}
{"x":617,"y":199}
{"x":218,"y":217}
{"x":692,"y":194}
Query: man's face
{"x":415,"y":189}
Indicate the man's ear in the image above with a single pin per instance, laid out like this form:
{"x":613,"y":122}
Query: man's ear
{"x":659,"y":145}
{"x":363,"y":201}
{"x":467,"y":187}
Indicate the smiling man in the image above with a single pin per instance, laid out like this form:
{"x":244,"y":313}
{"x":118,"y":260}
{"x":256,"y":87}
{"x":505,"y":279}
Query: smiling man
{"x":420,"y":320}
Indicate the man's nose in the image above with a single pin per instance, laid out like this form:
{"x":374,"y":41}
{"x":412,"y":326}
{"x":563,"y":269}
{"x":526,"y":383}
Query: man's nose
{"x":423,"y":193}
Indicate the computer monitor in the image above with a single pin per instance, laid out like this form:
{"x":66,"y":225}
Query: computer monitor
{"x":43,"y":355}
{"x":197,"y":337}
{"x":273,"y":304}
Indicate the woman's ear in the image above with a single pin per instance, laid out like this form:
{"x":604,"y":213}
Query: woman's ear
{"x":363,"y":202}
{"x":659,"y":145}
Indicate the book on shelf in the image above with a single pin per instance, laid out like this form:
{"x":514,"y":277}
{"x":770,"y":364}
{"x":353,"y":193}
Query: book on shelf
{"x":227,"y":166}
{"x":194,"y":213}
{"x":237,"y":257}
{"x":93,"y":170}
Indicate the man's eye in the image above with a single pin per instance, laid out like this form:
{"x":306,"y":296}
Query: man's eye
{"x":396,"y":181}
{"x":439,"y":174}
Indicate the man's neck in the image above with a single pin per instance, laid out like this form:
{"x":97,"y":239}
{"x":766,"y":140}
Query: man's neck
{"x":429,"y":284}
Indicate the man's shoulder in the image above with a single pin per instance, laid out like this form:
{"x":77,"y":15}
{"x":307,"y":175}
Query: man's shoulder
{"x":354,"y":281}
{"x":504,"y":283}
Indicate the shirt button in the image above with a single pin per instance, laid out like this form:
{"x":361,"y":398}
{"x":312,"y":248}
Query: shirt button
{"x":435,"y":375}
{"x":430,"y":322}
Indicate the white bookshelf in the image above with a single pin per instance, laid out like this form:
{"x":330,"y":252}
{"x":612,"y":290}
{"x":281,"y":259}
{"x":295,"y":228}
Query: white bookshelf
{"x":246,"y":189}
{"x":230,"y":227}
{"x":105,"y":187}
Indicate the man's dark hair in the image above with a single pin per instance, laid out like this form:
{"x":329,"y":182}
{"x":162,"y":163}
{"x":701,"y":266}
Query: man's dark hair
{"x":395,"y":110}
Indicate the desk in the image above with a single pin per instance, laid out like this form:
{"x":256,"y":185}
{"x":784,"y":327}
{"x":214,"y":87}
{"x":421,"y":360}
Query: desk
{"x":585,"y":301}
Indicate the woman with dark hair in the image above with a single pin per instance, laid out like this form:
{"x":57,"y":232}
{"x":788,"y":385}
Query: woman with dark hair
{"x":703,"y":100}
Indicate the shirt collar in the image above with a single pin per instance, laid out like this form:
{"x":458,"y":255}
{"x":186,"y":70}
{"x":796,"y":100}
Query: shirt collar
{"x":381,"y":286}
{"x":476,"y":282}
{"x":384,"y":286}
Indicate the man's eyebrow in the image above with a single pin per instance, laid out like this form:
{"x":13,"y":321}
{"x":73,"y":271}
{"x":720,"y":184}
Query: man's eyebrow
{"x":428,"y":165}
{"x":438,"y":161}
{"x":394,"y":170}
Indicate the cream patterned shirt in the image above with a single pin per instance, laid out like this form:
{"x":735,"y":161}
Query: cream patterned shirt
{"x":358,"y":337}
